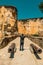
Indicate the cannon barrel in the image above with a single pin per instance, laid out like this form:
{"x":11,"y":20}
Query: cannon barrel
{"x":12,"y":48}
{"x":35,"y":48}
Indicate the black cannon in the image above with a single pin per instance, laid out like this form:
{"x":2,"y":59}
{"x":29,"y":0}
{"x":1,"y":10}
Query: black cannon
{"x":35,"y":48}
{"x":12,"y":50}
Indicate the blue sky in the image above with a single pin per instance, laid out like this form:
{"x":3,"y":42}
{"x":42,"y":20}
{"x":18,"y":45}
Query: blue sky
{"x":26,"y":8}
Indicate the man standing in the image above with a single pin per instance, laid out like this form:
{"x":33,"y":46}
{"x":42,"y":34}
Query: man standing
{"x":22,"y":42}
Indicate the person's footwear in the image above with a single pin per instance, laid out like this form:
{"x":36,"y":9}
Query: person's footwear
{"x":22,"y":49}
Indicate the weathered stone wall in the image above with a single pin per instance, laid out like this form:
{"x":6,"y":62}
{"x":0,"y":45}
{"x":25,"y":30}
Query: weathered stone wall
{"x":31,"y":26}
{"x":8,"y":20}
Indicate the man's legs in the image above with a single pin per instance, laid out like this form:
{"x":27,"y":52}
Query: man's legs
{"x":22,"y":47}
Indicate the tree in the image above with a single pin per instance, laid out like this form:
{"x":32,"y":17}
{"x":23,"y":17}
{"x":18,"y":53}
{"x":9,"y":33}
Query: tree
{"x":41,"y":7}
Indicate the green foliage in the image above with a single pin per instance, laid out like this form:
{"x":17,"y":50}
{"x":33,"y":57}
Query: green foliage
{"x":41,"y":7}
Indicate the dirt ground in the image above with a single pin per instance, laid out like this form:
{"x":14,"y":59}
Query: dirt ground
{"x":20,"y":57}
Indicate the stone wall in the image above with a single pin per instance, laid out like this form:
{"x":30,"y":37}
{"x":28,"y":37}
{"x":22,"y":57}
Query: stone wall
{"x":8,"y":20}
{"x":31,"y":26}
